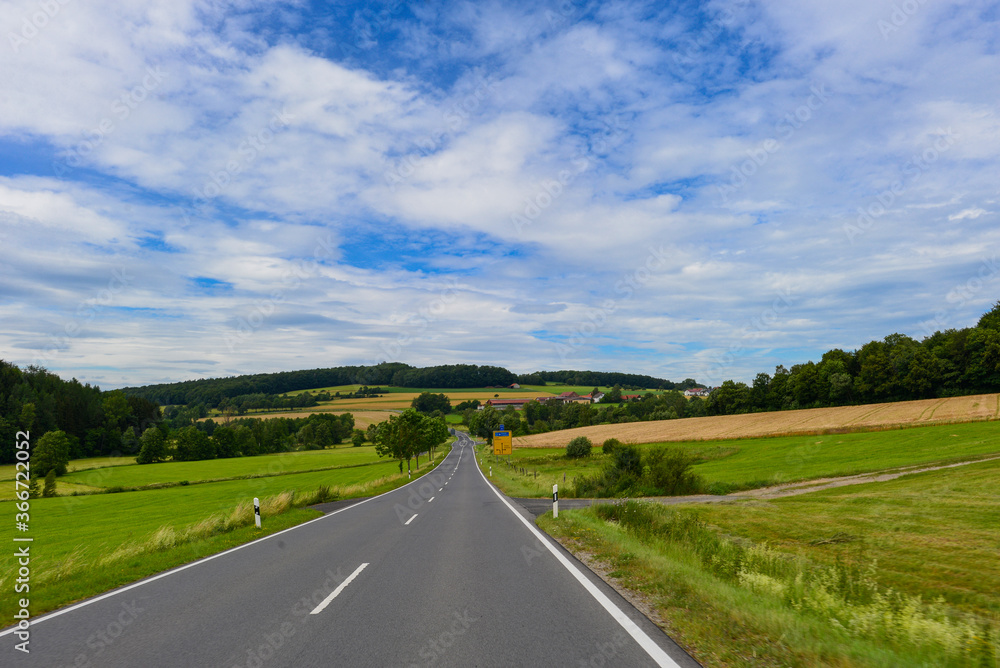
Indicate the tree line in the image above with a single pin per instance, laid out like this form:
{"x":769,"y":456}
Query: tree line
{"x":898,"y":368}
{"x":95,"y":423}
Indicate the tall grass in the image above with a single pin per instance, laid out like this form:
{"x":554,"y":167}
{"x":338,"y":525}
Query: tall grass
{"x":845,"y":596}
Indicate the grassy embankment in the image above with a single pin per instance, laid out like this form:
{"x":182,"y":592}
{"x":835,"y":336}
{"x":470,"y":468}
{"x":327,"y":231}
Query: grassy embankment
{"x":900,"y":573}
{"x":87,"y":544}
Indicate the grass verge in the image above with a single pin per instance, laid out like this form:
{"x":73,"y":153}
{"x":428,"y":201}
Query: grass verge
{"x":732,"y":603}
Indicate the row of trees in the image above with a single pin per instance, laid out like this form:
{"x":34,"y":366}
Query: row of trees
{"x":553,"y":415}
{"x":407,"y":435}
{"x":603,"y":378}
{"x":897,"y":368}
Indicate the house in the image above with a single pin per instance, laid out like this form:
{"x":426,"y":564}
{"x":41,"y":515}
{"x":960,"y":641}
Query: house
{"x":595,"y":398}
{"x":514,"y":386}
{"x":696,"y":392}
{"x":630,"y":397}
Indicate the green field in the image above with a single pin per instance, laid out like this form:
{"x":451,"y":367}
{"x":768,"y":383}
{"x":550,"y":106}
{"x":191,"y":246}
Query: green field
{"x":758,"y":462}
{"x":898,"y":573}
{"x":215,"y":469}
{"x":86,"y":544}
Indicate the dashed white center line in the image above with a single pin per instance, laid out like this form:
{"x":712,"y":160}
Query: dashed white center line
{"x":441,"y":489}
{"x":326,"y":601}
{"x":429,"y":500}
{"x":410,"y":520}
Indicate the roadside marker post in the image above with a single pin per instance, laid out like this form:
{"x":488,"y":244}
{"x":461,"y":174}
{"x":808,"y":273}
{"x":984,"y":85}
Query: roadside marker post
{"x":256,"y":511}
{"x":555,"y":501}
{"x":491,"y":471}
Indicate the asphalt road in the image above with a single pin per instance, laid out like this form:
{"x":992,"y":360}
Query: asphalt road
{"x":442,"y":572}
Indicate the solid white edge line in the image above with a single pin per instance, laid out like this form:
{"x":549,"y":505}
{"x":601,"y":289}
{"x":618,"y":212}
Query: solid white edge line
{"x":651,"y":648}
{"x":326,"y":601}
{"x":184,"y":567}
{"x":411,"y":519}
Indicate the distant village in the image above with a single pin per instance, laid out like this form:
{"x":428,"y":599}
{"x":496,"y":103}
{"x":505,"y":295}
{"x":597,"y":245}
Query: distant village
{"x":574,"y":398}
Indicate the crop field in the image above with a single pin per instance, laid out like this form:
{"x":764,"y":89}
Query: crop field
{"x":807,"y":421}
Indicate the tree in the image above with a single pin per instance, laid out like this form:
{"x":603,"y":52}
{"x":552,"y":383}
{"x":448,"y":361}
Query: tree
{"x":358,"y":438}
{"x":428,"y":403}
{"x":485,"y":422}
{"x":194,"y":444}
{"x":50,"y":484}
{"x":153,"y":447}
{"x":51,"y":454}
{"x":435,"y":433}
{"x":990,"y":319}
{"x":399,"y":436}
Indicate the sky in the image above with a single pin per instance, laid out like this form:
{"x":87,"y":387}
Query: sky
{"x":194,"y":189}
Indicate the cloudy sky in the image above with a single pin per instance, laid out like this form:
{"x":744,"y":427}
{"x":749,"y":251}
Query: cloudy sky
{"x":196,"y":189}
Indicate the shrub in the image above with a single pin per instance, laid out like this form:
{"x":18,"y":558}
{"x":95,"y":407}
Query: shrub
{"x":579,"y":447}
{"x":609,"y":445}
{"x":670,"y":472}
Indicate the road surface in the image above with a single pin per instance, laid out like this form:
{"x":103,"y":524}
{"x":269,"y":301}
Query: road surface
{"x":441,"y":572}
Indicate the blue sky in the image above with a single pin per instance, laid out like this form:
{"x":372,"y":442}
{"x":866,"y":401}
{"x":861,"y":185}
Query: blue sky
{"x":196,"y":189}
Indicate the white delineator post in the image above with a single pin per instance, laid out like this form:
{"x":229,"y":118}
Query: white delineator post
{"x":555,"y":501}
{"x":256,"y":511}
{"x":491,"y":471}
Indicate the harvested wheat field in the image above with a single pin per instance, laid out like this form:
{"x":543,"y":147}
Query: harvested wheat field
{"x":808,"y":421}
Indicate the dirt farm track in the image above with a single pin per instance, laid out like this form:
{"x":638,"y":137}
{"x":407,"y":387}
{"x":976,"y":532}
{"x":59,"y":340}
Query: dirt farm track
{"x":808,"y":421}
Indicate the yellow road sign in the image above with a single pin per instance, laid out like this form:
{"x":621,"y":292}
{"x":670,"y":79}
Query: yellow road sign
{"x":502,"y":443}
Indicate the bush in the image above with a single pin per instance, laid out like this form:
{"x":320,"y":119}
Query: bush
{"x":670,"y":472}
{"x":579,"y":447}
{"x":609,"y":445}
